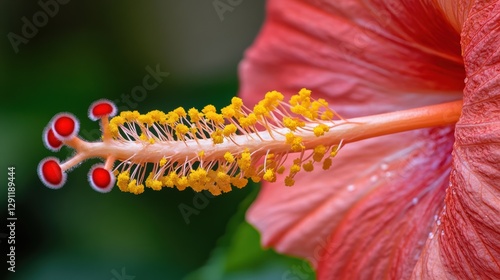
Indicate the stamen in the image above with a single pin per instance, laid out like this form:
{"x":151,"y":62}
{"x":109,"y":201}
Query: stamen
{"x":208,"y":150}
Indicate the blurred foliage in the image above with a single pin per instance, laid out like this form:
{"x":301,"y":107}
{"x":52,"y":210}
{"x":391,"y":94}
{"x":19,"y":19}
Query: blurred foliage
{"x":100,"y":49}
{"x":239,"y":256}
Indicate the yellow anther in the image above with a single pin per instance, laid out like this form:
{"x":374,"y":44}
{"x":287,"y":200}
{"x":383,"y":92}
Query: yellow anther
{"x":228,"y":112}
{"x":289,"y":181}
{"x":214,"y":190}
{"x":157,"y":116}
{"x":123,"y":180}
{"x":130,"y":116}
{"x":244,"y":161}
{"x":209,"y":108}
{"x":248,"y":121}
{"x":114,"y":124}
{"x":223,"y":181}
{"x":304,"y":92}
{"x":269,"y":175}
{"x":321,"y":129}
{"x":327,"y":115}
{"x":182,"y":183}
{"x":181,"y":130}
{"x":308,"y":166}
{"x":154,"y":184}
{"x":134,"y":188}
{"x":216,"y":118}
{"x":319,"y":152}
{"x":180,"y":112}
{"x":293,"y":123}
{"x":172,"y":118}
{"x":163,"y":161}
{"x":260,"y":110}
{"x":239,"y":182}
{"x":217,"y":137}
{"x":170,"y":180}
{"x":229,"y":157}
{"x":237,"y":103}
{"x":194,"y":115}
{"x":229,"y":130}
{"x":334,"y":151}
{"x":327,"y":163}
{"x":295,"y":168}
{"x":295,"y":142}
{"x":145,"y":119}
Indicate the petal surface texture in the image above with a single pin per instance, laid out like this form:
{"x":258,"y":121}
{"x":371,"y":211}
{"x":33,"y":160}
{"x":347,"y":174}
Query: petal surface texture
{"x":382,"y":209}
{"x":468,"y":241}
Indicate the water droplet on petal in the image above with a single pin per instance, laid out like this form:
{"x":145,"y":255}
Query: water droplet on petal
{"x":350,"y":188}
{"x":374,"y":178}
{"x":431,"y":235}
{"x":384,"y":166}
{"x":435,"y":217}
{"x":466,"y":80}
{"x":438,"y":222}
{"x":414,"y":201}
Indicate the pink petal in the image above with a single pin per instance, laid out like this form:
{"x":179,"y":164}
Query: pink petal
{"x":468,"y":243}
{"x":361,"y":54}
{"x":370,"y":215}
{"x":368,"y":57}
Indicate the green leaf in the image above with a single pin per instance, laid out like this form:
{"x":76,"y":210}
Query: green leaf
{"x":239,"y":255}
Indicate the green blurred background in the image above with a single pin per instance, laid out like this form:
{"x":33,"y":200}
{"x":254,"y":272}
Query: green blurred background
{"x":88,"y":50}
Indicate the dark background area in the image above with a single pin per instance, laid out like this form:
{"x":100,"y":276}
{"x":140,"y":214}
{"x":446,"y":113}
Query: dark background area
{"x":88,"y":50}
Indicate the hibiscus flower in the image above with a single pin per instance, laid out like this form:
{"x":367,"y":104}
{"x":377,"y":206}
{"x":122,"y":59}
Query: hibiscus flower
{"x":418,"y":204}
